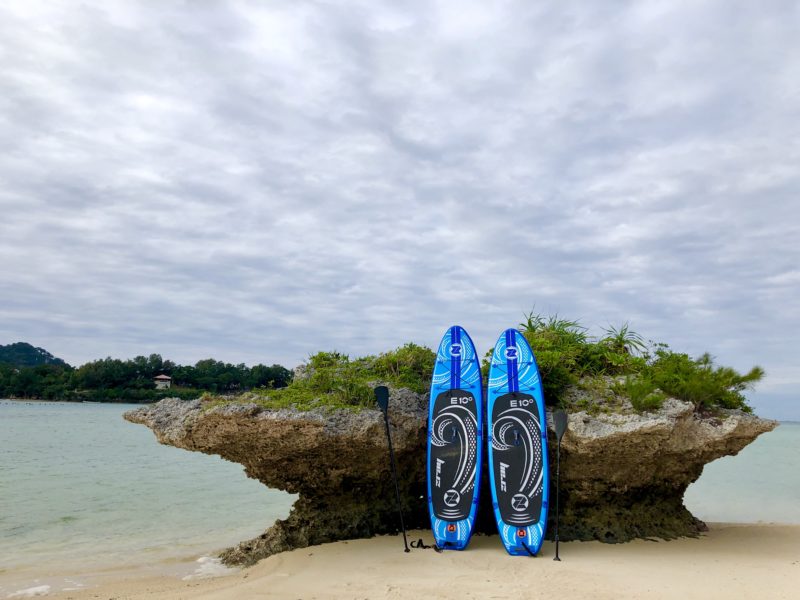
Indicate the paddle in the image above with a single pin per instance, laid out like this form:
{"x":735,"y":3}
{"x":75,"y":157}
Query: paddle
{"x":382,"y":398}
{"x":561,"y":422}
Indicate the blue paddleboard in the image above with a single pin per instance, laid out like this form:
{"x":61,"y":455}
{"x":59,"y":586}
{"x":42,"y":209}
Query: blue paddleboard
{"x":455,"y":448}
{"x":517,"y":431}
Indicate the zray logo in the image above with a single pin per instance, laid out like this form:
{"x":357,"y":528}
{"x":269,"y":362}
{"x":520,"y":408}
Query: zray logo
{"x":519,"y":502}
{"x":455,"y":350}
{"x":451,"y":498}
{"x":511,"y":353}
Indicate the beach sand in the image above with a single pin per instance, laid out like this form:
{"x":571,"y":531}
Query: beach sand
{"x":730,"y":561}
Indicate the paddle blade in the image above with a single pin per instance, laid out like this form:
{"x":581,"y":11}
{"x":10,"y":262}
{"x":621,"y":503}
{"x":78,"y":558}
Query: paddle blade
{"x":561,"y":421}
{"x":382,"y":397}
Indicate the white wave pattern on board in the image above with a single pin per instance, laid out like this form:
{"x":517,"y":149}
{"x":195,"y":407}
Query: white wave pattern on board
{"x":470,"y":368}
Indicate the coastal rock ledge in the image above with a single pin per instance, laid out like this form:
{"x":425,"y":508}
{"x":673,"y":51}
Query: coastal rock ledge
{"x":623,"y":475}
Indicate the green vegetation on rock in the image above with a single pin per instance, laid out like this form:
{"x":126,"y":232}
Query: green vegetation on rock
{"x":646,"y":374}
{"x":641,"y":391}
{"x":334,"y":380}
{"x":567,"y":355}
{"x":699,"y":381}
{"x":578,"y":371}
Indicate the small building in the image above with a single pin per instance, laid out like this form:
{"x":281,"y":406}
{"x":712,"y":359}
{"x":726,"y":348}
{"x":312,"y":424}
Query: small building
{"x":163,"y":382}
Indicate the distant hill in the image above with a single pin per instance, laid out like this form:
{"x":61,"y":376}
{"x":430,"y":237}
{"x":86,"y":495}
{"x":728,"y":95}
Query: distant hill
{"x":22,"y":354}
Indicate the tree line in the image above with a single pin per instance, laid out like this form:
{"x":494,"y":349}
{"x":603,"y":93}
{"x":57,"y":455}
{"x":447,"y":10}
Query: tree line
{"x":115,"y":380}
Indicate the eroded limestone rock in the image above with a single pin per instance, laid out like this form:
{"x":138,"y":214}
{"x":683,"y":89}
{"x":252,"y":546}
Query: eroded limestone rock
{"x":623,"y":475}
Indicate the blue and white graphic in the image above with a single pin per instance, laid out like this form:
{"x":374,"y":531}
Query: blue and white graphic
{"x":517,"y":429}
{"x":455,"y":434}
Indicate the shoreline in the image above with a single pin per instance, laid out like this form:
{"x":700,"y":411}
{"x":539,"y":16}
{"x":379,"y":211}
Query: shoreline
{"x":66,"y":401}
{"x":739,"y":559}
{"x":66,"y":577}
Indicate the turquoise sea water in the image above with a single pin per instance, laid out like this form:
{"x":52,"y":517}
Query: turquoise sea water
{"x":82,"y":489}
{"x":760,"y":484}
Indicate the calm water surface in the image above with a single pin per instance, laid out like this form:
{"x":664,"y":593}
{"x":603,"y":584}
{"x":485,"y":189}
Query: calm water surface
{"x":760,"y":484}
{"x":81,"y":488}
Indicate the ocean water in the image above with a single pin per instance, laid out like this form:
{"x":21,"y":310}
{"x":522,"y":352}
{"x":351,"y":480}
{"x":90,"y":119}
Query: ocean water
{"x":83,"y":490}
{"x":761,"y":484}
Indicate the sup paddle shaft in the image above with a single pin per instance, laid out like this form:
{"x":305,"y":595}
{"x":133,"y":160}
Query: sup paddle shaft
{"x":382,"y":398}
{"x":561,"y":421}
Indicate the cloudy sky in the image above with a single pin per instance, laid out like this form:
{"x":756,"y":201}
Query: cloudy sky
{"x":256,"y":181}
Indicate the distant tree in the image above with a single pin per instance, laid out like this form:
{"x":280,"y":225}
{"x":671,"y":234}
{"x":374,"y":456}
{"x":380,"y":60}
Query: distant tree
{"x":275,"y":376}
{"x":112,"y":379}
{"x":22,"y":354}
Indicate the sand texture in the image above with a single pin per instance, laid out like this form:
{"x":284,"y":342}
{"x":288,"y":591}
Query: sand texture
{"x":730,"y":561}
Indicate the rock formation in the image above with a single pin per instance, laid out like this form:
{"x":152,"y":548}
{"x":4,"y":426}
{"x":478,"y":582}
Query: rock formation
{"x":623,"y":475}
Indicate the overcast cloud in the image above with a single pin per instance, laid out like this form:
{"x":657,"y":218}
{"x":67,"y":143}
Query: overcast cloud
{"x":257,"y":181}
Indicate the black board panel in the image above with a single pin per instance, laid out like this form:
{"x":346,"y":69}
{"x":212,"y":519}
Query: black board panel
{"x":517,"y":458}
{"x":454,"y":449}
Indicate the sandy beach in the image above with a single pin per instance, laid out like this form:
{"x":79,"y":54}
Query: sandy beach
{"x":730,"y":561}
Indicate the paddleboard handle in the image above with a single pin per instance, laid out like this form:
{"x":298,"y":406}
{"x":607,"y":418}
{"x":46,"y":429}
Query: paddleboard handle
{"x":382,"y":398}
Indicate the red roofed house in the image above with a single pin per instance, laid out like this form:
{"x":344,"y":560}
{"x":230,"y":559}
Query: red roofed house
{"x":163,"y":382}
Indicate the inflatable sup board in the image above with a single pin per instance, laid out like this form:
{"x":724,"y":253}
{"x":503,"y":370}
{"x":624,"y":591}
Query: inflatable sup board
{"x":517,"y":432}
{"x":455,"y":440}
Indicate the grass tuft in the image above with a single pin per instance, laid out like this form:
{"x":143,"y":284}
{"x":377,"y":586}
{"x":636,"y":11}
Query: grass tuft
{"x":642,"y":392}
